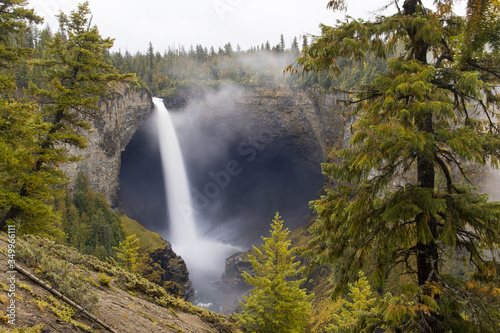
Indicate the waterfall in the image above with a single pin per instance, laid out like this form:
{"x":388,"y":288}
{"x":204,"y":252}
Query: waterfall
{"x":182,"y":224}
{"x":204,"y":258}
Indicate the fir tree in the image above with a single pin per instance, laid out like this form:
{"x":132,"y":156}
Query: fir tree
{"x":358,"y":304}
{"x":25,"y":197}
{"x":434,"y":110}
{"x":282,"y":45}
{"x":78,"y":77}
{"x":128,"y":252}
{"x":304,"y":42}
{"x":83,"y":196}
{"x":295,"y":47}
{"x":276,"y":303}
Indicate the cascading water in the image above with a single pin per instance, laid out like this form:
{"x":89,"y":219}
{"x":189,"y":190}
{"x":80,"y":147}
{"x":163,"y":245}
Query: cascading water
{"x":204,"y":258}
{"x":182,"y":224}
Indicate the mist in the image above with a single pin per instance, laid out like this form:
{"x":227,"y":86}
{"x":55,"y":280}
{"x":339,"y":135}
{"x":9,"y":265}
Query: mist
{"x":241,"y":167}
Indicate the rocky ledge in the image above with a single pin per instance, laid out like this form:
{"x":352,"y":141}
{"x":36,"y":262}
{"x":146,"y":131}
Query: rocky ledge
{"x":165,"y":268}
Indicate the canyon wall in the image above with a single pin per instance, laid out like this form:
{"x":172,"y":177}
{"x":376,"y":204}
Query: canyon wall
{"x":123,"y":111}
{"x":271,"y":139}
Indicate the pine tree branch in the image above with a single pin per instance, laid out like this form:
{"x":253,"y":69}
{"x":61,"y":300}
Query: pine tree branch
{"x":447,"y":175}
{"x":460,"y":295}
{"x":350,"y":101}
{"x":468,"y":234}
{"x":485,"y":109}
{"x":452,"y":159}
{"x":466,"y":121}
{"x":496,"y":74}
{"x":473,"y":252}
{"x":446,"y":55}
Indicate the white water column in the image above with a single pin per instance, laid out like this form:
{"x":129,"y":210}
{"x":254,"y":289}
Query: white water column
{"x":182,"y":223}
{"x":204,"y":258}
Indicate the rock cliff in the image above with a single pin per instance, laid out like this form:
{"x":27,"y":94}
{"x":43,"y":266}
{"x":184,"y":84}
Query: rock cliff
{"x":123,"y":111}
{"x":274,"y":140}
{"x":299,"y":125}
{"x":165,"y":268}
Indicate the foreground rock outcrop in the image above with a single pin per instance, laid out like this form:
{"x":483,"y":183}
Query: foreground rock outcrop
{"x":232,"y":277}
{"x":158,"y":262}
{"x":165,"y":268}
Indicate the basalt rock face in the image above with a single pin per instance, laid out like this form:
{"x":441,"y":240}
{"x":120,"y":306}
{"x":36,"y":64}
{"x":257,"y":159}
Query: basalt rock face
{"x":305,"y":124}
{"x":271,"y":142}
{"x":122,"y":112}
{"x":235,"y":266}
{"x":297,"y":125}
{"x":249,"y":152}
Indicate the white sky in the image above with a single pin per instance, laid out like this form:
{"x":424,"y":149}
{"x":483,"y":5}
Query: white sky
{"x":134,"y":23}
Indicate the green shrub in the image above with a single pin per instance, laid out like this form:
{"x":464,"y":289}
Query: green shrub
{"x":104,"y":280}
{"x":61,"y":275}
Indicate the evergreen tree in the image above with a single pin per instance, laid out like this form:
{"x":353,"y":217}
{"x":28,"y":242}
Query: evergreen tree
{"x":113,"y":223}
{"x":75,"y":230}
{"x":83,"y":196}
{"x":150,"y":55}
{"x":15,"y":21}
{"x":354,"y":307}
{"x":434,"y":110}
{"x":295,"y":47}
{"x":99,"y":235}
{"x":89,"y":222}
{"x":304,"y":42}
{"x":128,"y":252}
{"x":276,"y":303}
{"x":282,"y":45}
{"x":79,"y":77}
{"x":228,"y":49}
{"x":24,"y":197}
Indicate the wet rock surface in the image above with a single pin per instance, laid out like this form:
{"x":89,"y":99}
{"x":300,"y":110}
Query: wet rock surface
{"x":232,"y":277}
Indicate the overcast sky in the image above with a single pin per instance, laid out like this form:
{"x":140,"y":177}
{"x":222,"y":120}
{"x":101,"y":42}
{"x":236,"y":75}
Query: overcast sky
{"x":134,"y":23}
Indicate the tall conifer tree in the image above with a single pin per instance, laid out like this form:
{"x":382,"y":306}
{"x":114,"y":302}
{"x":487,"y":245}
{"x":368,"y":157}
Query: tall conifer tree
{"x":21,"y":191}
{"x":128,"y":252}
{"x":78,"y":78}
{"x":432,"y":113}
{"x":276,"y":303}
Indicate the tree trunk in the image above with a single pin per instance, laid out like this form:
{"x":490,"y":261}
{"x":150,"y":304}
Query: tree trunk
{"x":427,"y":253}
{"x":427,"y":250}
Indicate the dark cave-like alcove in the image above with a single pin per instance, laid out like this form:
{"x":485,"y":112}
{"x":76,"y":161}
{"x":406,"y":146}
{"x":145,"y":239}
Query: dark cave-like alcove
{"x":237,"y":184}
